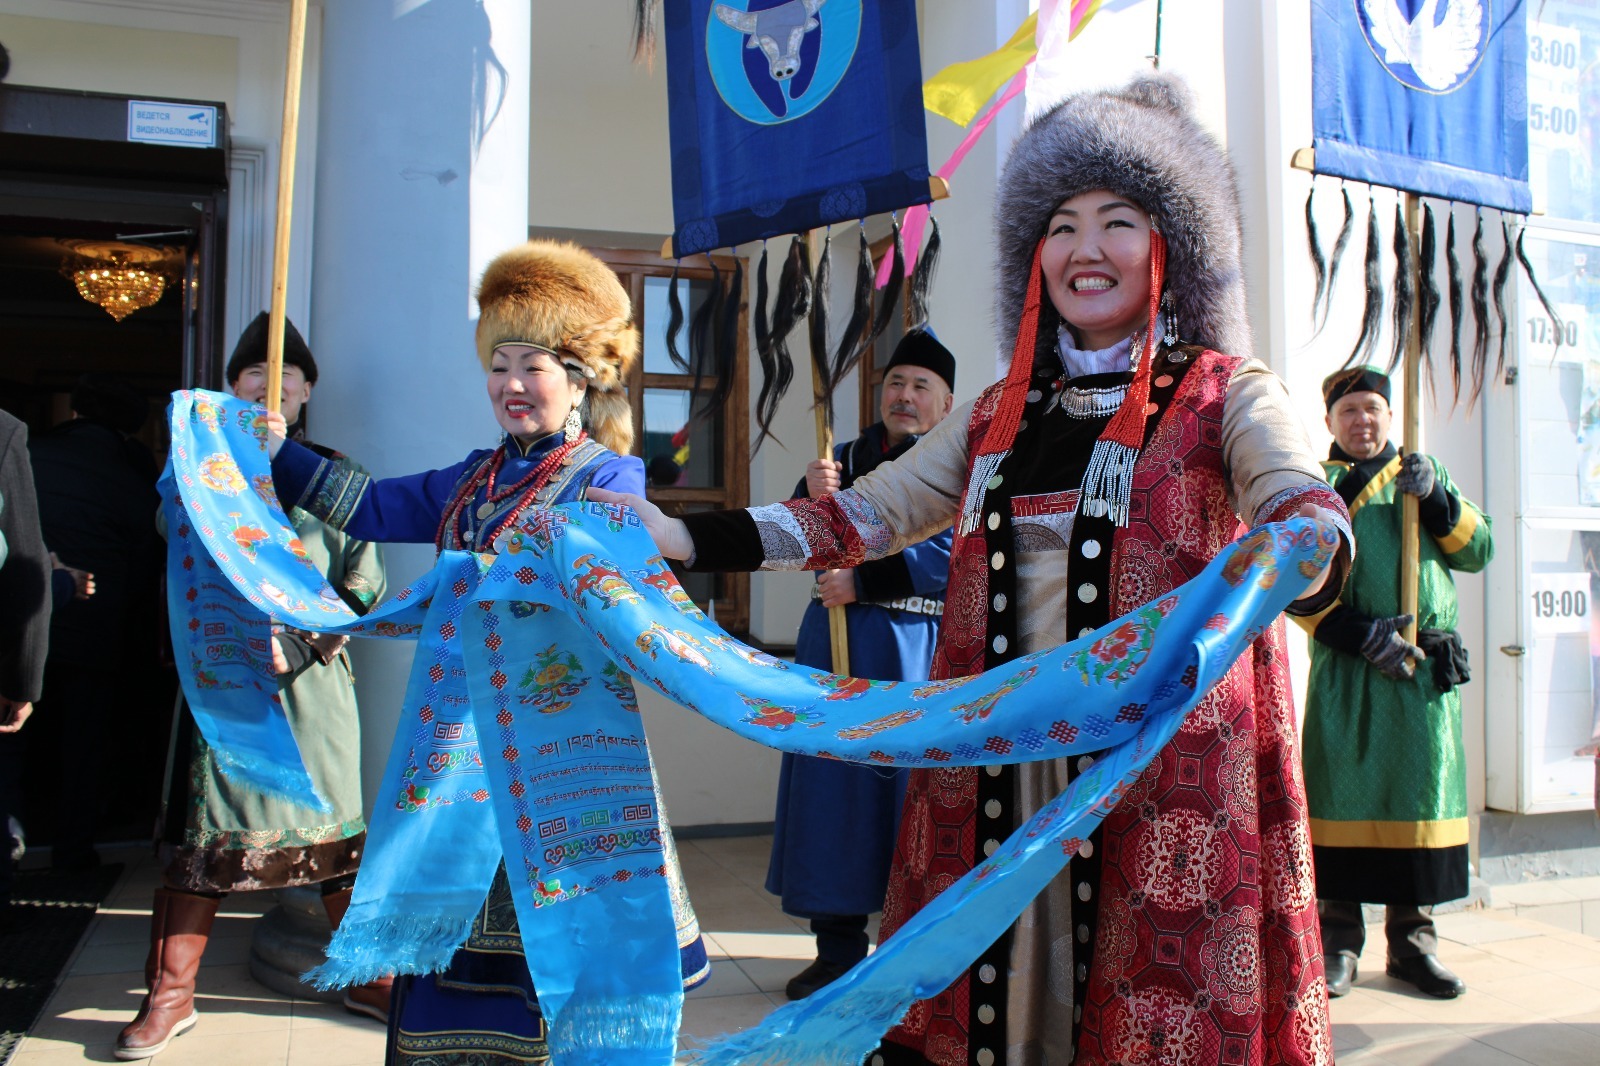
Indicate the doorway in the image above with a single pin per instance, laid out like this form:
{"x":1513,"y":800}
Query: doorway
{"x":88,"y":363}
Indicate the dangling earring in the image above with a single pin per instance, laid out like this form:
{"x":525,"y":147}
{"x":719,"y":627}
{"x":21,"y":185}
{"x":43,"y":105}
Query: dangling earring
{"x":1170,"y":313}
{"x":573,"y":427}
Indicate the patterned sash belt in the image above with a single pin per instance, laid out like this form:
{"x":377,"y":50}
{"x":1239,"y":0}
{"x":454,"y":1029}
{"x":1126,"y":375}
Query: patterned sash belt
{"x":914,"y":604}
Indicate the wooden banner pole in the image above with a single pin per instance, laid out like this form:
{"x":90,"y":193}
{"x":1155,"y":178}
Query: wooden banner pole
{"x":280,"y":244}
{"x":838,"y":625}
{"x":1411,"y":439}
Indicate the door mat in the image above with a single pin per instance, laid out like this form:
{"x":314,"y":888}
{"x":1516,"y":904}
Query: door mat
{"x":49,"y":912}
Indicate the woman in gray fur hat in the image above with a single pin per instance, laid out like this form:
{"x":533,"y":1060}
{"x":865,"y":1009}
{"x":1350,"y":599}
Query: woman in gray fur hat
{"x":1132,"y":440}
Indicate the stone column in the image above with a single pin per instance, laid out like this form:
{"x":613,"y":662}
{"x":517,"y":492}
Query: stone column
{"x":421,"y":179}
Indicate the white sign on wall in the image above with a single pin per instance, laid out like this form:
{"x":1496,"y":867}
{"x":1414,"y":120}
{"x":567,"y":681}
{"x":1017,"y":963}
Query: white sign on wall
{"x":191,"y":125}
{"x":1554,"y":60}
{"x":1559,"y":602}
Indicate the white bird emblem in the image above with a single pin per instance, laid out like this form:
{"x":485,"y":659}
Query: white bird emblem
{"x":1439,"y":53}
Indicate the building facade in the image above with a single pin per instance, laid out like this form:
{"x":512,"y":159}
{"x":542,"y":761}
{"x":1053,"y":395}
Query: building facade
{"x":435,"y":133}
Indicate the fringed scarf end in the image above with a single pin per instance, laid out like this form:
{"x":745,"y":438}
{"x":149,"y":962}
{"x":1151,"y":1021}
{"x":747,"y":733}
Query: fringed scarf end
{"x":842,"y":1033}
{"x":641,"y":1030}
{"x":289,"y":784}
{"x":364,"y":951}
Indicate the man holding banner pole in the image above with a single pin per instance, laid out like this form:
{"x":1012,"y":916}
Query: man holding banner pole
{"x":1384,"y":760}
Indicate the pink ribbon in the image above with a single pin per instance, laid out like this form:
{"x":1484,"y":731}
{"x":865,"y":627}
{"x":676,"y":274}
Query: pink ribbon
{"x":916,"y":218}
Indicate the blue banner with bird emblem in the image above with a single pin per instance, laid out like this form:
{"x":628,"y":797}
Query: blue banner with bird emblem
{"x":1428,"y":96}
{"x":791,"y":114}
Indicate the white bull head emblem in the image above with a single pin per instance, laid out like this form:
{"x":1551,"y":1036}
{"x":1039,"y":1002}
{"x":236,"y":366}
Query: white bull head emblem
{"x":777,"y":31}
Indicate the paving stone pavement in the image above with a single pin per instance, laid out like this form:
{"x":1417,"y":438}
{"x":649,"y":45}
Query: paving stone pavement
{"x":1533,"y":979}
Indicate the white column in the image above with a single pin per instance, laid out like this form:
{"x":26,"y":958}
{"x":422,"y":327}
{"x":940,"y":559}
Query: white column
{"x":422,"y":174}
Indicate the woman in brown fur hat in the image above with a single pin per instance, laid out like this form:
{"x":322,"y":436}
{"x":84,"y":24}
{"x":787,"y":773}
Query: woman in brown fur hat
{"x":1132,"y":440}
{"x":556,"y":339}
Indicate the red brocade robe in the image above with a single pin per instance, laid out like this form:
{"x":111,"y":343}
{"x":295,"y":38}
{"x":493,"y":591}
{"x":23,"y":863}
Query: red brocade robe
{"x":1188,"y":933}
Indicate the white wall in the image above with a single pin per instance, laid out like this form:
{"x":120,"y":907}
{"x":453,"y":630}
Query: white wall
{"x":413,"y":207}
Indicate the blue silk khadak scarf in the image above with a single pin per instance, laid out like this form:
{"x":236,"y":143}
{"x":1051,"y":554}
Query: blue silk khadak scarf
{"x":521,"y":739}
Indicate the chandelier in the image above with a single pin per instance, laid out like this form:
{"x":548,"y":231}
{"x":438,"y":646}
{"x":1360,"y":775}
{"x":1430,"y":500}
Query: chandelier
{"x":119,"y":280}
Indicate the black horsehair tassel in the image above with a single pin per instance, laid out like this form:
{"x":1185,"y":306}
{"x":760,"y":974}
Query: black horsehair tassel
{"x":702,"y":330}
{"x":675,"y":320}
{"x":820,"y":290}
{"x":1549,"y":308}
{"x":847,"y":359}
{"x":725,"y":342}
{"x":644,"y":31}
{"x":1319,"y":262}
{"x":922,"y":276}
{"x":793,"y":303}
{"x":1340,"y":243}
{"x":860,"y":311}
{"x":891,"y":292}
{"x":1453,"y":280}
{"x":763,"y":331}
{"x":1405,"y":289}
{"x":1373,"y":311}
{"x":1480,"y":309}
{"x":1502,"y":274}
{"x":1428,"y":299}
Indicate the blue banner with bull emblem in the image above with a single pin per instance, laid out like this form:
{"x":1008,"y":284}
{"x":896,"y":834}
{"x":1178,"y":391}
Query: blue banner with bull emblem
{"x":791,"y":114}
{"x":1428,"y":96}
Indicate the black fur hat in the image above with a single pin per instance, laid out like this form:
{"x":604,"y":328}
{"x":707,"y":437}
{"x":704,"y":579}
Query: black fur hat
{"x":921,"y":348}
{"x":1142,"y":142}
{"x":252,"y":349}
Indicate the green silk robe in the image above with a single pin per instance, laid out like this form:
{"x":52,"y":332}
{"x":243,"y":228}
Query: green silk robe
{"x":219,"y":835}
{"x":1384,"y":763}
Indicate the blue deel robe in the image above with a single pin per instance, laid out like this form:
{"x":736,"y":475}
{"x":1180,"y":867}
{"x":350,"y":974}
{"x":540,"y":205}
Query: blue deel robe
{"x":834,"y":832}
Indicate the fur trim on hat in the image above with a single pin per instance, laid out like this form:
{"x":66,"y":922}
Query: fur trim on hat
{"x":556,"y":295}
{"x":1142,"y":142}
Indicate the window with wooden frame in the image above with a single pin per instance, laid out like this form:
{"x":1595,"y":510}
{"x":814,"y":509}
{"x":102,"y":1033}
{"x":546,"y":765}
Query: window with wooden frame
{"x":874,"y":364}
{"x":701,"y":464}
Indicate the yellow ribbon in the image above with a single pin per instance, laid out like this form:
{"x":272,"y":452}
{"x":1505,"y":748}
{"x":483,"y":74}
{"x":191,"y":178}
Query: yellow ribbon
{"x":960,"y":90}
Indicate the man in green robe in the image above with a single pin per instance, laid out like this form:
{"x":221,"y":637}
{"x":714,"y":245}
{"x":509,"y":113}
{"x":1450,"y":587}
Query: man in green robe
{"x":218,"y":835}
{"x":1384,"y":764}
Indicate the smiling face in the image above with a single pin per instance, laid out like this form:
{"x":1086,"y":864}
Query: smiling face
{"x":1096,"y":264}
{"x":1359,"y":421}
{"x":530,"y":391}
{"x":251,"y":385}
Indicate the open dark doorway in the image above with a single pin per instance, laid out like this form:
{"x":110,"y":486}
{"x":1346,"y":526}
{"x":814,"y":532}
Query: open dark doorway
{"x":92,"y":387}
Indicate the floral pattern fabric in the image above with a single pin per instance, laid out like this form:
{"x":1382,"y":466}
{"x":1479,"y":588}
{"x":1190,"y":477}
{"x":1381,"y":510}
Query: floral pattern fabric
{"x":520,"y":738}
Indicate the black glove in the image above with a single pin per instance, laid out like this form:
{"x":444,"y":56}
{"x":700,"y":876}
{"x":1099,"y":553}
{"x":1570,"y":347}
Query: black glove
{"x":1389,"y":652}
{"x":1416,"y":476}
{"x":1449,"y":654}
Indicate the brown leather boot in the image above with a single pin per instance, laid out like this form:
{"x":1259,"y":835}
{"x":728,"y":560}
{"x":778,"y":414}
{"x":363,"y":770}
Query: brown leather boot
{"x":179,"y":927}
{"x":371,"y":999}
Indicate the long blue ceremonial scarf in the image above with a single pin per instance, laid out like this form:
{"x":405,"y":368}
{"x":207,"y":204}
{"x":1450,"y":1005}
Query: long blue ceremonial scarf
{"x":1426,"y":96}
{"x":520,"y":738}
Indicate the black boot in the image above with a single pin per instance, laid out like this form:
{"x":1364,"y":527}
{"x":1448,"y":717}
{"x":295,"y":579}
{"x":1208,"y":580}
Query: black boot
{"x":1341,"y":973}
{"x":1430,"y":978}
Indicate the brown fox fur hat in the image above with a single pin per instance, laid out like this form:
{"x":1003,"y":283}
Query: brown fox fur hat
{"x":1141,"y":141}
{"x":558,"y":296}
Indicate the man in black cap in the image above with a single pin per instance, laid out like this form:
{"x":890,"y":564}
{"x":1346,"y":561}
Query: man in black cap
{"x":835,"y":826}
{"x":1384,"y":761}
{"x":218,"y":836}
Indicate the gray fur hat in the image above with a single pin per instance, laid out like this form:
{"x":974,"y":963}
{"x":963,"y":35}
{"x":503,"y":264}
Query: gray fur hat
{"x":1141,"y":142}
